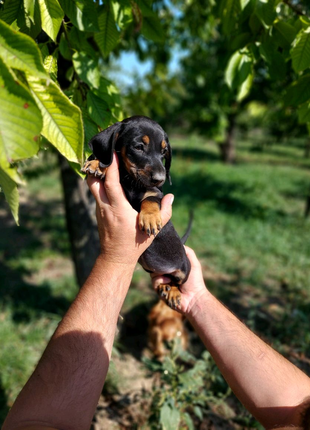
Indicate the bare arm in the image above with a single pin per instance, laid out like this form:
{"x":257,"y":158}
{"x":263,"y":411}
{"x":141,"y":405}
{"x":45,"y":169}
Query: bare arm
{"x":64,"y":389}
{"x":268,"y":385}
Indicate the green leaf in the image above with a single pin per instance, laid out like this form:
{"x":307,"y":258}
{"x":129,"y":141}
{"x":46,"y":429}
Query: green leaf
{"x":240,"y":41}
{"x":20,"y":52}
{"x":64,"y":48}
{"x":90,"y":130}
{"x":51,"y":17}
{"x":78,"y":41}
{"x":298,"y":92}
{"x":265,"y":10}
{"x":304,"y":113}
{"x":29,"y":19}
{"x":198,"y":412}
{"x":145,"y":7}
{"x":62,"y":120}
{"x":20,"y":121}
{"x":108,"y":36}
{"x":300,"y":51}
{"x":169,"y":417}
{"x":10,"y":10}
{"x":83,"y":14}
{"x":98,"y":110}
{"x":275,"y":61}
{"x":229,"y":11}
{"x":286,"y":32}
{"x":152,"y":29}
{"x":245,"y":86}
{"x":87,"y":69}
{"x":8,"y":186}
{"x":238,"y":69}
{"x":188,"y":421}
{"x":29,"y":7}
{"x":50,"y":65}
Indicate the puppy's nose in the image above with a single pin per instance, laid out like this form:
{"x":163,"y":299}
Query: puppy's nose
{"x":158,"y":178}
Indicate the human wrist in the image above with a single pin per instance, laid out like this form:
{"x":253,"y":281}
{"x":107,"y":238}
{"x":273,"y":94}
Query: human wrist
{"x":200,"y":302}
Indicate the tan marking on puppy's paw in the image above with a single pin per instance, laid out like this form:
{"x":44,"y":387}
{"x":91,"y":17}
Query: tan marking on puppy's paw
{"x":171,"y":295}
{"x":150,"y":218}
{"x":92,"y":167}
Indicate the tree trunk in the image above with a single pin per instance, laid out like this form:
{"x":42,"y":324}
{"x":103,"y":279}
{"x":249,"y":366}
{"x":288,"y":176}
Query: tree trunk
{"x":81,"y":221}
{"x":227,"y":148}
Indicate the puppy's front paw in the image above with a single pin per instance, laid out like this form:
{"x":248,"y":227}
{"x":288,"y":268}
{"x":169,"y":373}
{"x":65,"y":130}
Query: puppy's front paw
{"x":92,"y":167}
{"x":171,"y":294}
{"x":150,"y":222}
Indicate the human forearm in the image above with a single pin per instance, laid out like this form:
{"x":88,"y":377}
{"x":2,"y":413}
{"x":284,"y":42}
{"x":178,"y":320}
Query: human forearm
{"x":268,"y":385}
{"x":64,"y":389}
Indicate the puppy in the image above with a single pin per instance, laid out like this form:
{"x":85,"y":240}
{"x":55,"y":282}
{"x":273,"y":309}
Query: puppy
{"x":165,"y":325}
{"x":144,"y":154}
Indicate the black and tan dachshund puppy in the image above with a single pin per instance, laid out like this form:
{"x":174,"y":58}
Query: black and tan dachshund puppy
{"x":144,"y":156}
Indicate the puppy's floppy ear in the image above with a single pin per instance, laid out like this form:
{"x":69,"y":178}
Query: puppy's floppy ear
{"x":168,"y":156}
{"x":103,"y":144}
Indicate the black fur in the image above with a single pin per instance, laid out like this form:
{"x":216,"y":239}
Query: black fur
{"x":144,"y":154}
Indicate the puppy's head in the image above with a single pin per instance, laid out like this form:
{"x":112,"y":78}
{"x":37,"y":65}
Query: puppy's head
{"x":142,"y":146}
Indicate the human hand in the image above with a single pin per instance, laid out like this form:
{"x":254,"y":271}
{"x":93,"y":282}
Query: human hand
{"x":192,"y":290}
{"x":120,"y":238}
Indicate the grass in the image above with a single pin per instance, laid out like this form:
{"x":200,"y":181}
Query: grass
{"x":248,"y":231}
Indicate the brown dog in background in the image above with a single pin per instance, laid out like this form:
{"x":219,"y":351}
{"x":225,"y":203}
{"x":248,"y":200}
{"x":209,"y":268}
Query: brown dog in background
{"x":165,"y":325}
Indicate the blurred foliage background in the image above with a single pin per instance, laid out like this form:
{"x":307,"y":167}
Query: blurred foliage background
{"x":229,"y":82}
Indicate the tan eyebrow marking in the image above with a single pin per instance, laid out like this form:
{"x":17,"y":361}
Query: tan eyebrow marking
{"x":163,"y":144}
{"x":146,"y":139}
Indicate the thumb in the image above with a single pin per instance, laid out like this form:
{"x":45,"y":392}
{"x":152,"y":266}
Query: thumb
{"x":166,"y":208}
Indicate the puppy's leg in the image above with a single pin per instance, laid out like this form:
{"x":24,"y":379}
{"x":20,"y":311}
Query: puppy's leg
{"x":94,"y":167}
{"x":149,"y":216}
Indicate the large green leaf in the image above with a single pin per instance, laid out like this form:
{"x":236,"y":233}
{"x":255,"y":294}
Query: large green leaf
{"x":87,"y":69}
{"x":98,"y":110}
{"x":275,"y":61}
{"x":62,"y":120}
{"x":229,"y":12}
{"x":51,"y":16}
{"x":152,"y":29}
{"x":304,"y":113}
{"x":300,"y":51}
{"x":169,"y":417}
{"x":286,"y":32}
{"x":108,"y":36}
{"x":20,"y":51}
{"x":83,"y":14}
{"x":10,"y":10}
{"x":239,"y":73}
{"x":8,"y":186}
{"x":265,"y":10}
{"x":20,"y":121}
{"x":298,"y":92}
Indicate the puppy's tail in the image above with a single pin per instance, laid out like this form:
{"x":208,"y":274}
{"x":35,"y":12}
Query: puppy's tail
{"x":189,"y":228}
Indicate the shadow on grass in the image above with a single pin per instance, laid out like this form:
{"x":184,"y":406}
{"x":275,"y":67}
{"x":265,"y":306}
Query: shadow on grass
{"x":42,"y":227}
{"x":3,"y":403}
{"x":28,"y":300}
{"x":199,"y":187}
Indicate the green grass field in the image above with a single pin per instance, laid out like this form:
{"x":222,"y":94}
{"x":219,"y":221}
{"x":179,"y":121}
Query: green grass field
{"x":248,"y":231}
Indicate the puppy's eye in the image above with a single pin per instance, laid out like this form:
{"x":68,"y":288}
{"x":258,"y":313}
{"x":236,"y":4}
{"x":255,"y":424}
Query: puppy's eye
{"x":139,"y":147}
{"x":164,"y":150}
